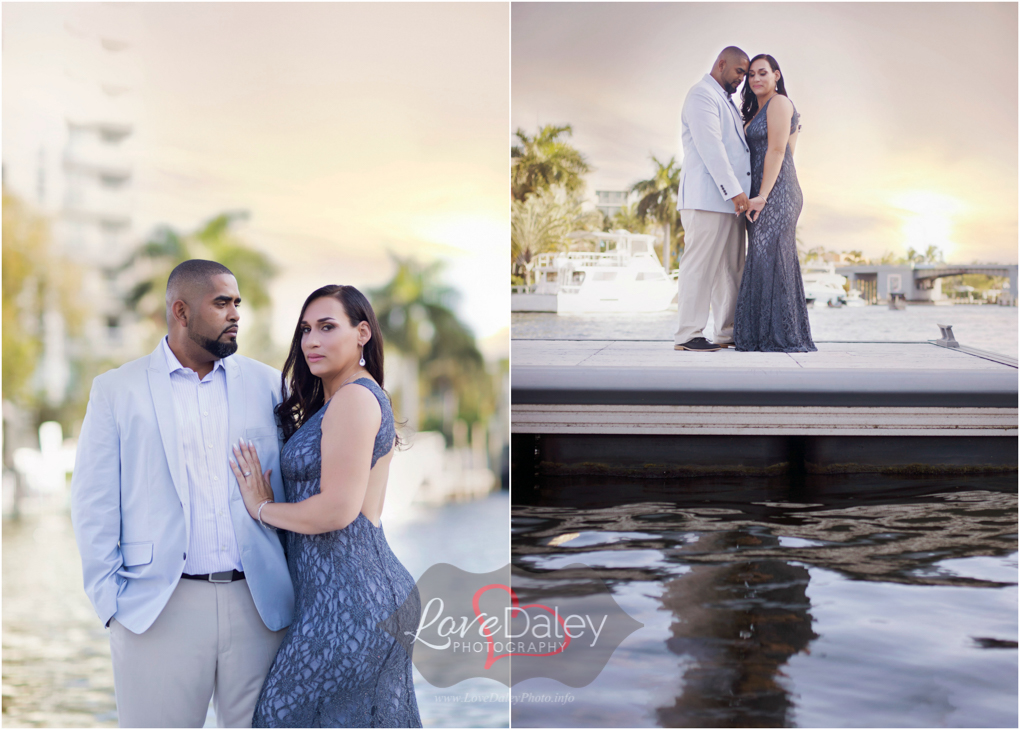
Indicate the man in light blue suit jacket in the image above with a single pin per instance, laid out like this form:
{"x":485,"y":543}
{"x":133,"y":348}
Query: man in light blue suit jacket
{"x":196,"y":593}
{"x":712,"y":200}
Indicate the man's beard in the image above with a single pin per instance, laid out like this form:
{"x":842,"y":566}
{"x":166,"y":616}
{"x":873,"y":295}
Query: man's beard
{"x":732,"y":88}
{"x":213,"y":347}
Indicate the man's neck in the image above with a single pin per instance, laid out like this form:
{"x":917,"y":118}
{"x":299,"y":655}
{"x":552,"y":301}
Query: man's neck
{"x":201,"y":366}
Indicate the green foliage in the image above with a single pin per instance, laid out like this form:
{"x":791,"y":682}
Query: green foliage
{"x":542,"y":222}
{"x":544,"y":161}
{"x":37,"y":280}
{"x":658,"y":203}
{"x":34,"y":280}
{"x":854,"y":257}
{"x":216,"y":240}
{"x":628,"y":219}
{"x":415,"y":313}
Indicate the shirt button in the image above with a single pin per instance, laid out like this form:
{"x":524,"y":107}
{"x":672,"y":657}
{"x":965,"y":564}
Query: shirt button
{"x":206,"y":413}
{"x":215,"y":479}
{"x":223,"y":548}
{"x":209,"y":445}
{"x":219,"y":512}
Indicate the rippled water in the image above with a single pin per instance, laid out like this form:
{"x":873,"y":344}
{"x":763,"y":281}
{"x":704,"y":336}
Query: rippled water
{"x":984,"y":327}
{"x":56,"y":655}
{"x":867,"y":602}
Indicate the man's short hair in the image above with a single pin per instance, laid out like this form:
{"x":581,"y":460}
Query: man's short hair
{"x":733,"y":52}
{"x":189,"y":274}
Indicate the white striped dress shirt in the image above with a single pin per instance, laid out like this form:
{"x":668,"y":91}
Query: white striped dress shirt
{"x":201,"y":410}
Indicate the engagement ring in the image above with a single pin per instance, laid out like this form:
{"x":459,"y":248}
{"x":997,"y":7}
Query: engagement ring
{"x":247,"y":473}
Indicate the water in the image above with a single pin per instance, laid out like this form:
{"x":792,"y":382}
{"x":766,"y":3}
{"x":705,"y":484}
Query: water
{"x":56,"y":655}
{"x":984,"y":327}
{"x":875,"y":603}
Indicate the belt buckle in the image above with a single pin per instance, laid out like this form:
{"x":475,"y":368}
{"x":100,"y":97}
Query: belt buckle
{"x":225,"y":576}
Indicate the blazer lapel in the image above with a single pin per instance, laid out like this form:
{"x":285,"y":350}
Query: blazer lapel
{"x":727,"y":102}
{"x":163,"y":402}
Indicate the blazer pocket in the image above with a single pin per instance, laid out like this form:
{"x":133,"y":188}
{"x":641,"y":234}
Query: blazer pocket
{"x":136,"y":553}
{"x":256,"y":433}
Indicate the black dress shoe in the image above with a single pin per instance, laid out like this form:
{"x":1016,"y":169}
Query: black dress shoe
{"x":698,"y":344}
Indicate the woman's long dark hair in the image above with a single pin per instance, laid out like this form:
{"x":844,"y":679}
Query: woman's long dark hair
{"x":304,"y":396}
{"x":748,"y":101}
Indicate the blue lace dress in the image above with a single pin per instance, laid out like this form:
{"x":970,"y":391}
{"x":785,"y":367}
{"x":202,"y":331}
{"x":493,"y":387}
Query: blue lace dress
{"x":771,"y":313}
{"x":336,"y":667}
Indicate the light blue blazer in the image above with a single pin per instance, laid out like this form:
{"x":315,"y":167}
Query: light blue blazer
{"x":129,"y":492}
{"x":717,"y":162}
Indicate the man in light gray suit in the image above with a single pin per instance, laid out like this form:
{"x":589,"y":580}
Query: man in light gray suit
{"x":712,"y":201}
{"x":195,"y":592}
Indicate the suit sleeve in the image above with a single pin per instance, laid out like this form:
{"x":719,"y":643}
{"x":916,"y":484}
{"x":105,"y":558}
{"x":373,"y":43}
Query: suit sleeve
{"x":706,"y":132}
{"x":95,"y":503}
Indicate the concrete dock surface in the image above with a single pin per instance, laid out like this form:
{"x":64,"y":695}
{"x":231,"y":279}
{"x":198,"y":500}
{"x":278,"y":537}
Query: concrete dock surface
{"x":626,"y":402}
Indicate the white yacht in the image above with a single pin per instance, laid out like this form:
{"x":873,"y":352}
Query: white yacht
{"x":614,"y":271}
{"x":822,"y":285}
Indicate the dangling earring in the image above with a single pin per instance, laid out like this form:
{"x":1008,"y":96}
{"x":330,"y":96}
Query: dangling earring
{"x":361,"y":362}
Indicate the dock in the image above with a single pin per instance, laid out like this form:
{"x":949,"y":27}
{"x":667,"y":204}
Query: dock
{"x":640,"y":408}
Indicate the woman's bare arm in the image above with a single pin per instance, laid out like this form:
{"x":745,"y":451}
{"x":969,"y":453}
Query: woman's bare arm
{"x":349,"y":427}
{"x":780,"y":113}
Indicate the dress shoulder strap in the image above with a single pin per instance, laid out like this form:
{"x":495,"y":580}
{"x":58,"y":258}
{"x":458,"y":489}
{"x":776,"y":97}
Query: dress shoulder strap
{"x":387,"y":433}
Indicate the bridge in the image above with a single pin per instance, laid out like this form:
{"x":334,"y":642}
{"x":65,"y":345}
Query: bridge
{"x":918,"y":282}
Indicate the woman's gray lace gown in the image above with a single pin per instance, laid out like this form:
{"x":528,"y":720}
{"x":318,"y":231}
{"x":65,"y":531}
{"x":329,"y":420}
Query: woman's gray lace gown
{"x":771,"y":311}
{"x":336,"y":667}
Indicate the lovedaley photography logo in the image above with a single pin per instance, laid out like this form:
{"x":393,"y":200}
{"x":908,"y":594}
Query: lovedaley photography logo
{"x":511,"y":625}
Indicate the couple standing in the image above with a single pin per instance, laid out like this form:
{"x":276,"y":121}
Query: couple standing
{"x":202,"y":539}
{"x":739,"y":164}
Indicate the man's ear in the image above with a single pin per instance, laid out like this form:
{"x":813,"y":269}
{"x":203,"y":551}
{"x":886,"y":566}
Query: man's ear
{"x":179,"y":310}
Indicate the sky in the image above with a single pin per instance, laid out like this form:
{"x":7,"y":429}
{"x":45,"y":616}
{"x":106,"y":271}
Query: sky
{"x":909,"y":110}
{"x":345,"y":130}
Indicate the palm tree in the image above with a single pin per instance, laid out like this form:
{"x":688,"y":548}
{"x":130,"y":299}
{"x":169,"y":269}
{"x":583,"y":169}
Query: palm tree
{"x":538,"y":224}
{"x":541,"y":223}
{"x":544,"y":161}
{"x":658,"y":201}
{"x":215,"y":240}
{"x":628,"y":219}
{"x":416,"y":315}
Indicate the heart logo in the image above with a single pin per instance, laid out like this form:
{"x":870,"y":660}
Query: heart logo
{"x":490,"y":659}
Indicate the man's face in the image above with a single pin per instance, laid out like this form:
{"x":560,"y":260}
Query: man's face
{"x":733,"y":73}
{"x":212,"y":323}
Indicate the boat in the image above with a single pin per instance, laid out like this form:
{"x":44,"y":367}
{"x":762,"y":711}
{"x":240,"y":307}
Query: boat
{"x":854,"y":299}
{"x":823,"y":286}
{"x":604,"y":271}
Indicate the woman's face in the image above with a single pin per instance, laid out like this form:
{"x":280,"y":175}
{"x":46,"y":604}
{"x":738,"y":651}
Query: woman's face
{"x":762,"y":78}
{"x":328,"y":341}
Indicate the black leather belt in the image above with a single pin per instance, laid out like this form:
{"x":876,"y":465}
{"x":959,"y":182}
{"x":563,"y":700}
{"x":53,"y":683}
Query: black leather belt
{"x":225,"y":577}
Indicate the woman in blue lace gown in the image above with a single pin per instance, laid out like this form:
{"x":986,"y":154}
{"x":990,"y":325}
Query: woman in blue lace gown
{"x":336,"y":666}
{"x":771,"y":313}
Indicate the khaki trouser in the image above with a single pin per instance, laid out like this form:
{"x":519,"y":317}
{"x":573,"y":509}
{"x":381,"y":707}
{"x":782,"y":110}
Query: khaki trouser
{"x":208,"y":640}
{"x":709,"y":273}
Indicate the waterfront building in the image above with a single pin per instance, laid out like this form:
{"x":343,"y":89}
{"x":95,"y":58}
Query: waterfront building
{"x":917,"y":282}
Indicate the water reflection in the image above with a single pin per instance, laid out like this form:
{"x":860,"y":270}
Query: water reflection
{"x":764,"y":596}
{"x":56,"y":654}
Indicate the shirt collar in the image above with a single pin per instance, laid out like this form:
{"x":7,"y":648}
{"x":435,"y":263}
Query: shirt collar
{"x":174,"y":364}
{"x":715,"y":85}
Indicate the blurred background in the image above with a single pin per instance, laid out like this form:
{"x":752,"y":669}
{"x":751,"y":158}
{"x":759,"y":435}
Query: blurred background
{"x":299,"y":145}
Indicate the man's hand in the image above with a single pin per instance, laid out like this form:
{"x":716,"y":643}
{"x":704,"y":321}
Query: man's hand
{"x":740,"y":204}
